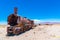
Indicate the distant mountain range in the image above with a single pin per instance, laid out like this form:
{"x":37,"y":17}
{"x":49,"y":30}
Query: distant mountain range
{"x":46,"y":21}
{"x":49,"y":23}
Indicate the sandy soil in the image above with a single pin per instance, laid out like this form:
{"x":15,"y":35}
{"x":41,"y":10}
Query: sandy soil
{"x":42,"y":32}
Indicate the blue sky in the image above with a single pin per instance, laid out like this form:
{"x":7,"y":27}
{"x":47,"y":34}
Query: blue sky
{"x":32,"y":9}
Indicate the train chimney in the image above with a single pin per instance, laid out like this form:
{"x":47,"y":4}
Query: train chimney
{"x":15,"y":10}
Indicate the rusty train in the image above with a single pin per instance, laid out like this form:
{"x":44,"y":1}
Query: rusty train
{"x":18,"y":24}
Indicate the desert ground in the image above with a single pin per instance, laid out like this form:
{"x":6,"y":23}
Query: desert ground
{"x":40,"y":32}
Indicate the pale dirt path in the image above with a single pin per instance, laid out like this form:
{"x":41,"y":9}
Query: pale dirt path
{"x":43,"y":32}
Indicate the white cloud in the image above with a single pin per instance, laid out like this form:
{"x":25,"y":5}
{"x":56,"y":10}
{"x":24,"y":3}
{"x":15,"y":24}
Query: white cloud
{"x":36,"y":21}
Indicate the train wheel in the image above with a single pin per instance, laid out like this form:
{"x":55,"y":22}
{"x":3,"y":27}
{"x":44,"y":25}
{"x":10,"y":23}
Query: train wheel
{"x":9,"y":31}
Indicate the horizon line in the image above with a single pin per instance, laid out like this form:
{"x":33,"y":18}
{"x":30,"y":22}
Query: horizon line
{"x":37,"y":21}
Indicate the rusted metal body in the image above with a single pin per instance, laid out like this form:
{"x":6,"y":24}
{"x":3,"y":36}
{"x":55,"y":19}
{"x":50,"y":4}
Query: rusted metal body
{"x":18,"y":24}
